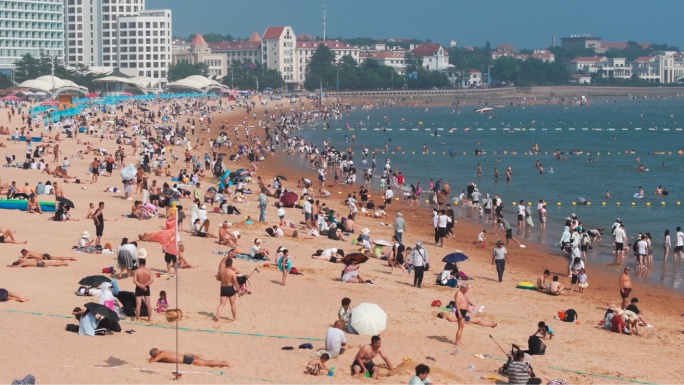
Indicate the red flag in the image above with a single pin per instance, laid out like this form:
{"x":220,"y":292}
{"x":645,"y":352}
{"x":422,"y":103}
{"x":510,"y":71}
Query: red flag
{"x":164,"y":237}
{"x":171,"y":223}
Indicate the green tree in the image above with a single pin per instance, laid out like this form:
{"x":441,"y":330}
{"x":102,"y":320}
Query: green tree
{"x":5,"y":82}
{"x":321,"y":60}
{"x":182,"y":70}
{"x":348,"y":60}
{"x":488,"y":47}
{"x":245,"y":77}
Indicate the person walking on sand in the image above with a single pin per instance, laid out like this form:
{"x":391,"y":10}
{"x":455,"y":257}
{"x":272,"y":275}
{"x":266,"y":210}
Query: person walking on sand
{"x":419,"y":258}
{"x":500,"y":257}
{"x":227,"y":275}
{"x":399,"y":226}
{"x":98,"y":219}
{"x":263,"y":202}
{"x":625,"y":287}
{"x":142,"y":278}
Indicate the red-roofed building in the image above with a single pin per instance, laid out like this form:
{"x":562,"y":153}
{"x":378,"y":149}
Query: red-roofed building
{"x":435,"y":56}
{"x":505,"y":48}
{"x":305,"y":38}
{"x":279,"y":52}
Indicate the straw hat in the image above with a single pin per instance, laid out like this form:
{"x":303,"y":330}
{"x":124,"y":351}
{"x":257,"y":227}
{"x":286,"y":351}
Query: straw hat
{"x":618,"y":311}
{"x":174,"y":315}
{"x":142,"y":253}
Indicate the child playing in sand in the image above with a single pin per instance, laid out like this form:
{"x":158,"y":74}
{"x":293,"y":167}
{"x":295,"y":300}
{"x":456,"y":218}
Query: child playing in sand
{"x":582,"y":278}
{"x":162,"y":303}
{"x":314,"y":367}
{"x":421,"y":377}
{"x":481,"y":236}
{"x":281,"y":215}
{"x":544,"y":330}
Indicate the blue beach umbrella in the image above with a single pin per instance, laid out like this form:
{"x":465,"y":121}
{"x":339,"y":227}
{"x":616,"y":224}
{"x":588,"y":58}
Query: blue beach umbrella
{"x":454,"y":258}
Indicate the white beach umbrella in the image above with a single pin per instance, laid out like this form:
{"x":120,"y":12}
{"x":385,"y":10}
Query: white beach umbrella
{"x":382,"y":242}
{"x":369,"y":319}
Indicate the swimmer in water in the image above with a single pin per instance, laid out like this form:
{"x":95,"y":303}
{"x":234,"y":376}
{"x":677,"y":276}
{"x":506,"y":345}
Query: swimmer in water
{"x":608,"y":194}
{"x":496,"y":173}
{"x":551,"y":170}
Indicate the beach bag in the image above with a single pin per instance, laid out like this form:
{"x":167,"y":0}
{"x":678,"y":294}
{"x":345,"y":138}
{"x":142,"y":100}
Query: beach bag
{"x":534,"y":345}
{"x":436,"y":303}
{"x":570,"y":315}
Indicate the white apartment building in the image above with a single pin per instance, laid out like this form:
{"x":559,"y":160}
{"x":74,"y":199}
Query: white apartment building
{"x":29,"y":26}
{"x":601,"y":65}
{"x":278,"y":50}
{"x":198,"y":51}
{"x":394,"y":59}
{"x":435,"y":56}
{"x":91,"y":30}
{"x":144,"y":44}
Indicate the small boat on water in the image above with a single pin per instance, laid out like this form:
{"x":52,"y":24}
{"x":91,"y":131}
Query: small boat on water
{"x":484,"y":110}
{"x":21,"y":205}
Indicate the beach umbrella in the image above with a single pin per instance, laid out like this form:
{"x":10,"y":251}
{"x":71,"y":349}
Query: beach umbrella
{"x":454,"y":258}
{"x":126,"y":94}
{"x":358,"y":257}
{"x":94,"y":280}
{"x":382,"y":242}
{"x":66,"y":202}
{"x":288,"y":199}
{"x":128,"y":172}
{"x":369,"y":319}
{"x":102,"y":310}
{"x":281,"y":177}
{"x":92,"y":95}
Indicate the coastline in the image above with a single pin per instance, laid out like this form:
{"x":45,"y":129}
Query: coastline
{"x":307,"y":306}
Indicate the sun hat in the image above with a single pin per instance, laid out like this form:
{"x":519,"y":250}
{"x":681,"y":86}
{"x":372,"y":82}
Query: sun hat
{"x":499,"y":241}
{"x":204,"y":207}
{"x":257,"y":240}
{"x":142,"y":253}
{"x":236,"y":234}
{"x":85,"y":235}
{"x":365,"y":230}
{"x":419,"y":243}
{"x":618,"y":311}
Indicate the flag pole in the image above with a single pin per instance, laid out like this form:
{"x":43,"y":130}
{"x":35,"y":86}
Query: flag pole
{"x":175,"y":239}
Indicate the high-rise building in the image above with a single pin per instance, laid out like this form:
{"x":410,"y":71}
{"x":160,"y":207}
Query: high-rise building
{"x":29,"y":26}
{"x":91,"y":33}
{"x":144,"y":44}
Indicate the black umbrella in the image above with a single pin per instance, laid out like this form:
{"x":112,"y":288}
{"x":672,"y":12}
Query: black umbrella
{"x":281,"y":177}
{"x":66,"y":202}
{"x":94,"y":280}
{"x":358,"y":257}
{"x":102,"y":310}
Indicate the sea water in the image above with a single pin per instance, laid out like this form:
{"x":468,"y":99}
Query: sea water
{"x":605,"y":129}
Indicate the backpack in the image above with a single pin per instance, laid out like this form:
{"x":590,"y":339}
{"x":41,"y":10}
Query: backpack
{"x":570,"y":315}
{"x":608,"y":320}
{"x":534,"y":345}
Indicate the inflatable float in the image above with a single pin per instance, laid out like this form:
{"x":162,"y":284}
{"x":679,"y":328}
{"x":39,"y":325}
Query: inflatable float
{"x":638,"y":196}
{"x":21,"y":205}
{"x":526,"y":285}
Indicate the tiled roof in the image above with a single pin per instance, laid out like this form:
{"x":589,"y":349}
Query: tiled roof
{"x":273,"y":33}
{"x":505,"y":46}
{"x":589,"y":58}
{"x":643,"y":59}
{"x":255,"y":37}
{"x":198,"y":40}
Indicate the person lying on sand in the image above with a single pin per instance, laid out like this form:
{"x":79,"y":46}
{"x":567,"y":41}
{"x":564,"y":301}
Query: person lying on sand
{"x":6,"y":295}
{"x":168,"y":357}
{"x":8,"y":237}
{"x":26,"y":254}
{"x":33,"y":263}
{"x":333,"y":255}
{"x":451,"y":317}
{"x":76,"y":181}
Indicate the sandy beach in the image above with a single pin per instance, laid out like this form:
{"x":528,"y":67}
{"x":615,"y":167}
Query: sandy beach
{"x":273,"y":316}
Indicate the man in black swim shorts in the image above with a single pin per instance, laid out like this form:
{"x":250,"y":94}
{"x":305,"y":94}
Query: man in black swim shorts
{"x":229,"y":284}
{"x":363,"y":362}
{"x":171,"y":260}
{"x":142,"y":278}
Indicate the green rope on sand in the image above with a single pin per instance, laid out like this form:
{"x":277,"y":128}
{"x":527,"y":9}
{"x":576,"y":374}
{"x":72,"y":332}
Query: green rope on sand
{"x":180,"y":328}
{"x":601,"y":375}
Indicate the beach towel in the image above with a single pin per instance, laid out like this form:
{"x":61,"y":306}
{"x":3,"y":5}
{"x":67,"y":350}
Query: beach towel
{"x":243,"y":256}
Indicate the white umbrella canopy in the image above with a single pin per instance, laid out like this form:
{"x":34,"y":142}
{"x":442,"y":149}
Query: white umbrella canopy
{"x":382,"y":242}
{"x":369,"y":319}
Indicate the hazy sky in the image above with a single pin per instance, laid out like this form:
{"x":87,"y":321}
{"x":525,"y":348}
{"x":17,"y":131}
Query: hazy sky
{"x":523,"y":24}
